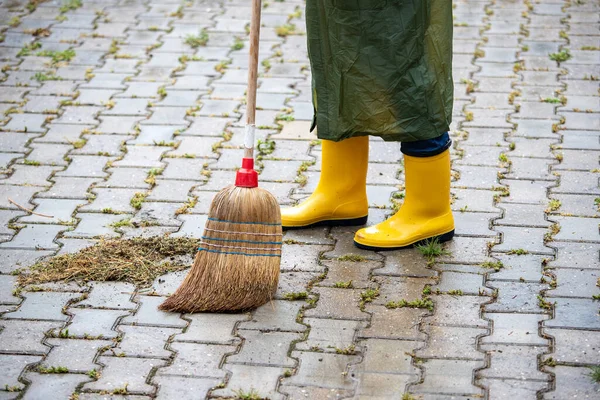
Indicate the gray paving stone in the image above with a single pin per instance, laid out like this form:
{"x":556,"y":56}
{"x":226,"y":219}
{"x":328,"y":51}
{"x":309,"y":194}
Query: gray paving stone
{"x":322,"y":369}
{"x":174,"y":191}
{"x":451,"y":342}
{"x":25,"y":123}
{"x":480,"y":155}
{"x":527,"y":191}
{"x":523,"y":215}
{"x":102,"y":144}
{"x":344,"y":271}
{"x":25,"y":337}
{"x":301,"y":257}
{"x":11,"y":260}
{"x":312,"y":392}
{"x":337,"y":304}
{"x":473,"y":200}
{"x":50,"y":154}
{"x":577,"y":182}
{"x":114,"y":295}
{"x":530,"y":168}
{"x":405,"y":263}
{"x":388,"y":356}
{"x":399,"y":323}
{"x":474,"y":177}
{"x":448,"y":377}
{"x":510,"y":388}
{"x":94,"y":322}
{"x":93,"y":225}
{"x":466,"y":250}
{"x":576,"y":255}
{"x":293,"y":282}
{"x":39,"y":237}
{"x":519,"y":267}
{"x":280,"y":315}
{"x":512,"y":328}
{"x":328,"y":335}
{"x":264,"y":348}
{"x":572,"y":382}
{"x":171,"y":387}
{"x":516,"y":297}
{"x":60,"y":385}
{"x":575,"y":283}
{"x":467,"y":283}
{"x":211,"y":328}
{"x":474,"y":224}
{"x":574,"y":346}
{"x":263,"y":380}
{"x":86,"y":166}
{"x":531,"y":128}
{"x":142,"y":156}
{"x":117,"y":125}
{"x":141,"y":341}
{"x":61,"y":210}
{"x":6,"y":284}
{"x":75,"y":354}
{"x":396,"y":288}
{"x":531,"y":239}
{"x":193,"y":225}
{"x":16,"y":141}
{"x":516,"y":362}
{"x":110,"y":198}
{"x":119,"y":372}
{"x":574,"y":313}
{"x":30,"y":175}
{"x":43,"y":306}
{"x":149,"y":315}
{"x":580,"y":229}
{"x":11,"y":367}
{"x":126,"y":178}
{"x":62,"y":133}
{"x":458,"y":311}
{"x":79,"y":115}
{"x":158,"y":213}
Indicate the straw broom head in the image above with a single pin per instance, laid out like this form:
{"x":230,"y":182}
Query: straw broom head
{"x":237,"y":264}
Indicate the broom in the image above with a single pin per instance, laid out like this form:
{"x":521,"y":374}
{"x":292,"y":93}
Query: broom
{"x":237,"y":264}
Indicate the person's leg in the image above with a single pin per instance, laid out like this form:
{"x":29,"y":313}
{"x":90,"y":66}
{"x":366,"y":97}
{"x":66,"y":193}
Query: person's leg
{"x":425,"y":213}
{"x":341,"y":195}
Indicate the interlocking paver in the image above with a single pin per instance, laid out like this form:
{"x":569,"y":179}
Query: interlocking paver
{"x":117,"y":93}
{"x":125,"y":372}
{"x":77,"y":355}
{"x":60,"y":385}
{"x":94,"y":323}
{"x":25,"y":337}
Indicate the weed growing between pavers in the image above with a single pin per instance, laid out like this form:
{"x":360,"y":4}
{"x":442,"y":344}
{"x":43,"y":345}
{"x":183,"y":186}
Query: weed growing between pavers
{"x":595,"y":373}
{"x":138,"y":261}
{"x":431,"y":250}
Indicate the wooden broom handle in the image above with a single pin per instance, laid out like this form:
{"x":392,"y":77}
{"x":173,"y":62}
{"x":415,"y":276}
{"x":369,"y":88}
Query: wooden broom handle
{"x":252,"y":72}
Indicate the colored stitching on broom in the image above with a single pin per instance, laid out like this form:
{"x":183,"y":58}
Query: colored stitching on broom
{"x":241,"y":241}
{"x":242,"y":247}
{"x":240,"y":254}
{"x":243,"y":223}
{"x":243,"y":233}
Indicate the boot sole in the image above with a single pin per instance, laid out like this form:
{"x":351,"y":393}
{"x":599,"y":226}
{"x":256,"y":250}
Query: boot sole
{"x":441,"y":239}
{"x":332,"y":222}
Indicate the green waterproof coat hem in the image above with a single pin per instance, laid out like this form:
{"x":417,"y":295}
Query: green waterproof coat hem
{"x":381,"y":68}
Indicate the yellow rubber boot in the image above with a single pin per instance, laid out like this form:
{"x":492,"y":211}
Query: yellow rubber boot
{"x":341,"y":195}
{"x":425,"y":214}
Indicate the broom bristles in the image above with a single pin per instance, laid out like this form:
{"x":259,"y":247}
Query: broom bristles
{"x":237,"y":264}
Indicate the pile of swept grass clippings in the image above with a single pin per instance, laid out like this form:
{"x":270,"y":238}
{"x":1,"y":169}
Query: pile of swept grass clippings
{"x":138,"y":261}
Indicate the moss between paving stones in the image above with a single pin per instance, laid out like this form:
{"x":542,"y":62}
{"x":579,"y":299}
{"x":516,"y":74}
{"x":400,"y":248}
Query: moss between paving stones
{"x":138,"y":261}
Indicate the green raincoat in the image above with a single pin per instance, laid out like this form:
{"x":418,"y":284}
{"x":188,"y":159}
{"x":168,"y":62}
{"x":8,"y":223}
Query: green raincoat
{"x":381,"y":67}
